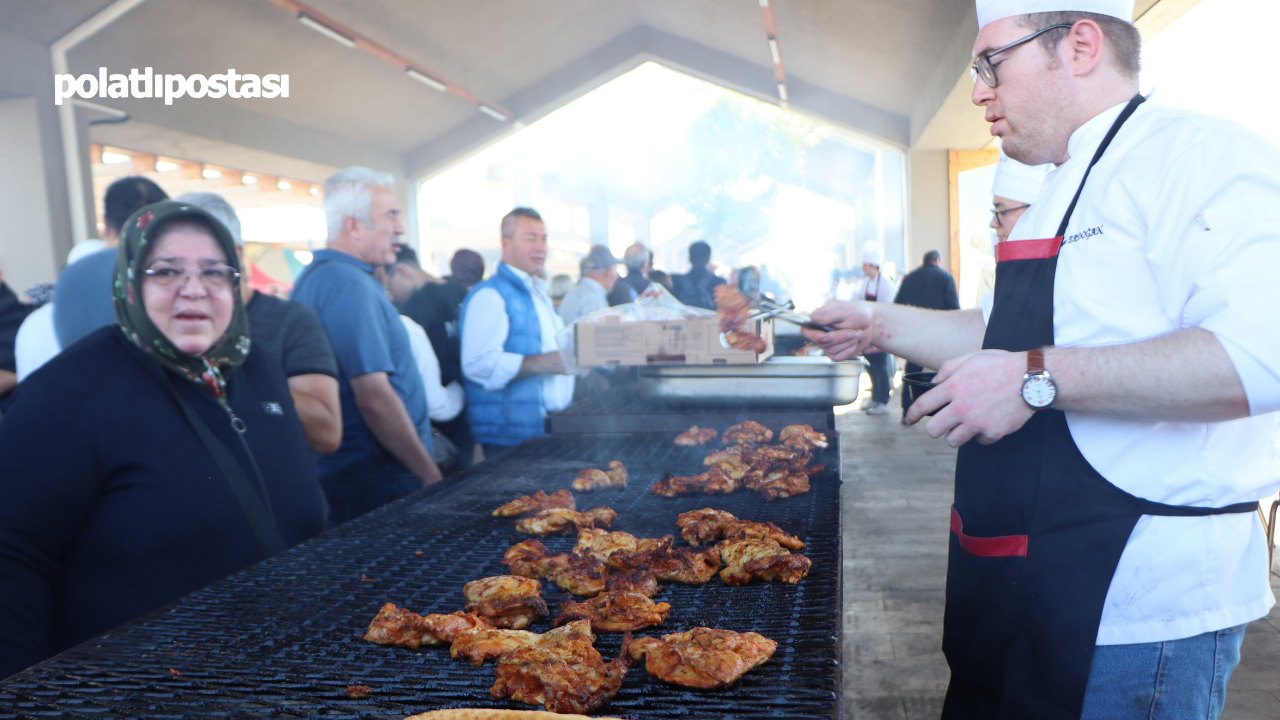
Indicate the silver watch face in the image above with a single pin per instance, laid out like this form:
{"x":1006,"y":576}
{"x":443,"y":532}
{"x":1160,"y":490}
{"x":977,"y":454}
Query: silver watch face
{"x":1039,"y":391}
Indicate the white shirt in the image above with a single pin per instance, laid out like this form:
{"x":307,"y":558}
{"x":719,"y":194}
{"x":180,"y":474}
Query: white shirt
{"x":885,"y":289}
{"x":484,"y":333}
{"x":444,"y":402}
{"x":36,"y":342}
{"x":584,"y":298}
{"x":1177,"y":227}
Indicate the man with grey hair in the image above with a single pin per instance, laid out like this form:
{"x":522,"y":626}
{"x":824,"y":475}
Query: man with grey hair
{"x":639,"y":262}
{"x":291,"y":334}
{"x":599,"y":276}
{"x":385,"y":452}
{"x":1123,"y":390}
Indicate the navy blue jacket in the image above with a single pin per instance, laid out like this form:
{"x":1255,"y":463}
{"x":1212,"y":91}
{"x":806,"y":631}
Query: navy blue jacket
{"x":110,"y":506}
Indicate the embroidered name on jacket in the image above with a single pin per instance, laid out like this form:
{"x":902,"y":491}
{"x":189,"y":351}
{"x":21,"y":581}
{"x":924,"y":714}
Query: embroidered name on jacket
{"x":1082,"y":235}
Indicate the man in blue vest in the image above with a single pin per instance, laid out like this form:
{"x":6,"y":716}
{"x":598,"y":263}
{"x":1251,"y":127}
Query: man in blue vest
{"x":511,"y":368}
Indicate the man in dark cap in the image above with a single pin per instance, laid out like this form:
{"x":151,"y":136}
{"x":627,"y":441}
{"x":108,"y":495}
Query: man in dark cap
{"x":599,"y":276}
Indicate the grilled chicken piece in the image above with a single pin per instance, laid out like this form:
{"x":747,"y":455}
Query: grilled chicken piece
{"x":790,"y":485}
{"x":561,"y":670}
{"x":733,"y":309}
{"x":742,"y":339}
{"x":733,"y":461}
{"x":505,"y":601}
{"x":764,"y":559}
{"x":712,"y":481}
{"x":559,"y":520}
{"x":394,"y":626}
{"x":583,"y":576}
{"x":703,"y":527}
{"x":641,"y":581}
{"x":487,"y":643}
{"x":600,"y":544}
{"x":802,"y":437}
{"x":683,"y":565}
{"x":703,"y":657}
{"x":695,"y":436}
{"x":592,"y":479}
{"x":536,"y":503}
{"x":748,"y":433}
{"x":614,"y":612}
{"x":751,"y":530}
{"x":776,"y":453}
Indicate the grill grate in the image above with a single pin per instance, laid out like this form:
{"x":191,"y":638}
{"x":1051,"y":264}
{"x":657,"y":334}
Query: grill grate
{"x":282,"y":639}
{"x":623,"y":410}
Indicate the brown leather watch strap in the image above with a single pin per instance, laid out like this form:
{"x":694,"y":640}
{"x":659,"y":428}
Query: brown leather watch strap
{"x":1035,"y":361}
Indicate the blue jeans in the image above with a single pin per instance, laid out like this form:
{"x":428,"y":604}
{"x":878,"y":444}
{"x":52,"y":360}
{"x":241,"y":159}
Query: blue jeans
{"x":1181,"y":679}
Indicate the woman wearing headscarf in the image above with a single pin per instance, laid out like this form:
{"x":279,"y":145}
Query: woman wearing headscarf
{"x":151,"y":458}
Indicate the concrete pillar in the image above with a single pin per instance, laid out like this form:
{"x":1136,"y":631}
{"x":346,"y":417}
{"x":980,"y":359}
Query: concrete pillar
{"x":929,"y":212}
{"x":27,"y":246}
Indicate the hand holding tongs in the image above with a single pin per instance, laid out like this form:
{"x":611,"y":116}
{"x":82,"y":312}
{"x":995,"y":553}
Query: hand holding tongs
{"x":768,"y":309}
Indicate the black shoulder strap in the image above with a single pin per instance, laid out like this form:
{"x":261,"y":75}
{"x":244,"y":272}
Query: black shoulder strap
{"x":1106,"y":142}
{"x":261,"y":521}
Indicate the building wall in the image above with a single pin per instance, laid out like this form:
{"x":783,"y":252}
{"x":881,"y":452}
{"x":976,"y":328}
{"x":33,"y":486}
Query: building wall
{"x":26,"y":245}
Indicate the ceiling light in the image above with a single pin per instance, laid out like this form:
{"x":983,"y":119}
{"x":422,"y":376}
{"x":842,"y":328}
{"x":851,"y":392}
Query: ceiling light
{"x":325,"y":30}
{"x":315,"y":191}
{"x":282,"y":185}
{"x":303,"y":256}
{"x":773,"y":50}
{"x":492,"y":113}
{"x":782,"y":91}
{"x":425,"y":79}
{"x":249,"y":180}
{"x":111,"y":158}
{"x":764,"y":3}
{"x":162,"y":166}
{"x":211,"y":174}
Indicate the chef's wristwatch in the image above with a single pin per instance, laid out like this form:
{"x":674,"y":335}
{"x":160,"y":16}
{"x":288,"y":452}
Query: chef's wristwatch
{"x":1037,"y":385}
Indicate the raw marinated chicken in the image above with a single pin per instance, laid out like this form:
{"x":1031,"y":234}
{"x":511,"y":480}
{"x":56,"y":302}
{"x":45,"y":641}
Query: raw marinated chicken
{"x":703,"y":657}
{"x":683,"y":565}
{"x":592,"y":479}
{"x":747,"y":433}
{"x":395,"y":626}
{"x":561,"y":670}
{"x":559,"y":520}
{"x":712,"y":481}
{"x":614,"y":612}
{"x":505,"y":601}
{"x":536,"y":503}
{"x":695,"y":436}
{"x":745,"y":560}
{"x":802,"y":437}
{"x":582,"y":576}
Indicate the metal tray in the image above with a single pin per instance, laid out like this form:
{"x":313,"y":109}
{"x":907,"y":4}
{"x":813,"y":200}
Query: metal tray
{"x":776,"y":382}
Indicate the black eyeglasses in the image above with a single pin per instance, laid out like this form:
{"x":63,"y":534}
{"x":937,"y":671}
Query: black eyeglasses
{"x":998,"y":215}
{"x":982,"y":67}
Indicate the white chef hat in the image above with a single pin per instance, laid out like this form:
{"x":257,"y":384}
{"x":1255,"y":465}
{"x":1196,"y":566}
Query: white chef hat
{"x":873,"y":254}
{"x":992,"y":10}
{"x":1018,"y":182}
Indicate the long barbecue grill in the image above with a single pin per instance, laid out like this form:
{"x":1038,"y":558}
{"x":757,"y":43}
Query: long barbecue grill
{"x":282,"y":639}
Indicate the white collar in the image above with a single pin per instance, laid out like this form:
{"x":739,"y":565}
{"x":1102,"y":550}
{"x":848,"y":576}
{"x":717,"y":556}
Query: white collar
{"x":1088,"y":136}
{"x":536,"y":283}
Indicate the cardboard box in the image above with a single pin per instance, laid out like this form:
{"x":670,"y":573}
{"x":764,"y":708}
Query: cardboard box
{"x":693,"y":341}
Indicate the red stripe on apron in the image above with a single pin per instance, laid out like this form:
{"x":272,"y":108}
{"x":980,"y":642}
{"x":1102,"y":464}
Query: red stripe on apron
{"x":1028,"y":249}
{"x":1006,"y":546}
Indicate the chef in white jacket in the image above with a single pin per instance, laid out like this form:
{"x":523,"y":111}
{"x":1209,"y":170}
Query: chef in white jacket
{"x":876,"y":287}
{"x":1116,"y":413}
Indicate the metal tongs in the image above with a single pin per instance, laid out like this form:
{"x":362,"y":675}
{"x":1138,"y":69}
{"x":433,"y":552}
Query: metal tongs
{"x":768,"y":308}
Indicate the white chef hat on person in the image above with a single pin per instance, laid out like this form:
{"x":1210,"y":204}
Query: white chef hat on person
{"x":1018,"y":182}
{"x":873,"y":254}
{"x":992,"y":10}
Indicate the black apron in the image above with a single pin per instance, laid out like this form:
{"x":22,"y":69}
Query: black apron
{"x":1036,"y":532}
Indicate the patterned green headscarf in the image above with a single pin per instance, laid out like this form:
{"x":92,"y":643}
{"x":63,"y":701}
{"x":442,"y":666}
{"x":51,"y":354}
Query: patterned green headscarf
{"x":136,"y":238}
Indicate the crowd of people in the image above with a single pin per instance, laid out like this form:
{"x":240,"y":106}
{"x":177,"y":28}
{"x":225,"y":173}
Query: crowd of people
{"x":165,"y":424}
